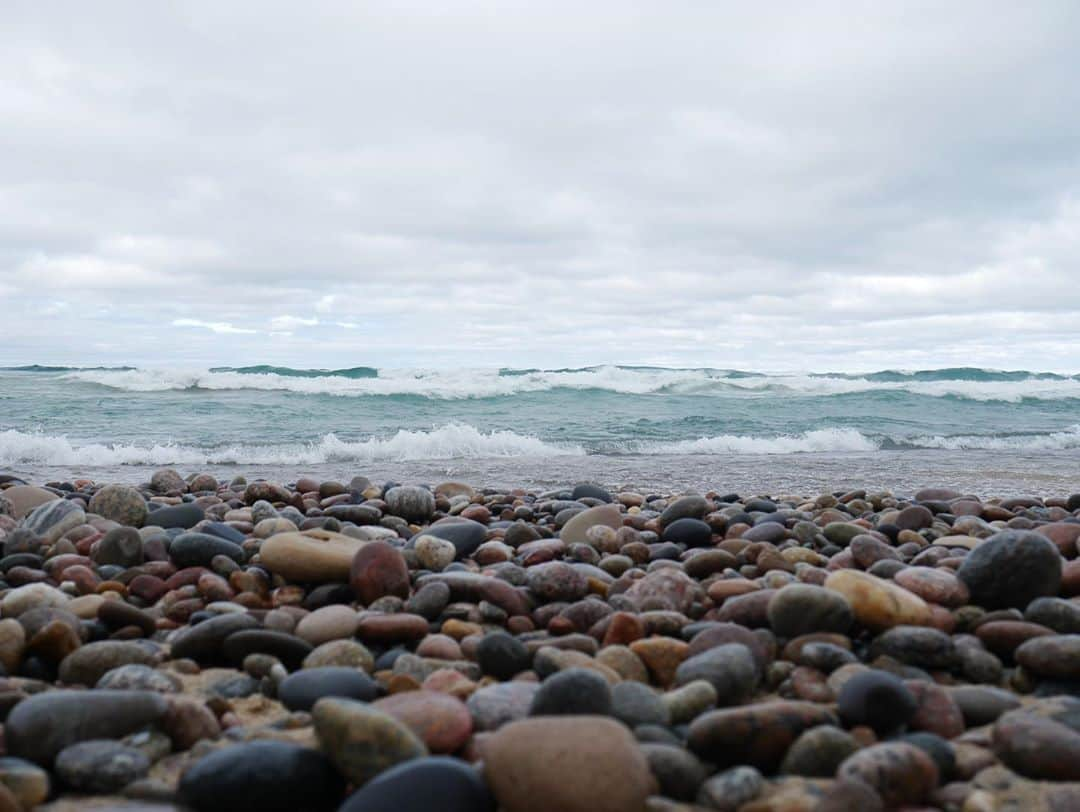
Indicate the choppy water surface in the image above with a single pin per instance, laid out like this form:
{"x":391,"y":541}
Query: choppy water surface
{"x":982,"y":430}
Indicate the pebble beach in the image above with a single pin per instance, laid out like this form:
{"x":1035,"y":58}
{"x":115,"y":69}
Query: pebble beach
{"x":206,"y":643}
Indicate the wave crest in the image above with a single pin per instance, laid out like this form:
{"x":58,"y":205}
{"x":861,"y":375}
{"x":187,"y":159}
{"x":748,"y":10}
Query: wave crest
{"x":452,"y":441}
{"x":450,"y":384}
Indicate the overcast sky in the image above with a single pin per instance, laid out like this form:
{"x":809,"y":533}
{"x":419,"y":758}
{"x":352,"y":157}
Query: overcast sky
{"x":834,"y":186}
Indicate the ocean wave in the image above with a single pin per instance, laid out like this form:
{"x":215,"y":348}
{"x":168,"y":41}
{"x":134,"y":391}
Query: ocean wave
{"x":1052,"y":441}
{"x":820,"y":440}
{"x":451,"y":384}
{"x":452,"y":441}
{"x":463,"y":441}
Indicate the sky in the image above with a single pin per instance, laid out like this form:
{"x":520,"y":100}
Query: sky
{"x":779,"y":186}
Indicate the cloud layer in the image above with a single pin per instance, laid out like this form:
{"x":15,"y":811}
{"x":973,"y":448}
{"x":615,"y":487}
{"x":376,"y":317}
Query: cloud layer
{"x":797,"y":186}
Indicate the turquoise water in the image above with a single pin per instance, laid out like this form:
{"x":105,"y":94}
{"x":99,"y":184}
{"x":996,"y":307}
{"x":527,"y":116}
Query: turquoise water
{"x":601,"y":418}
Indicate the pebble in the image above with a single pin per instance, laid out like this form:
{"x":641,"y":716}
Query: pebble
{"x":270,"y":776}
{"x":900,"y":773}
{"x":876,"y":699}
{"x":442,"y":722}
{"x":876,"y":603}
{"x":312,"y":556}
{"x":802,"y":608}
{"x":423,"y":785}
{"x":573,"y":691}
{"x":758,"y":735}
{"x":818,"y":752}
{"x":42,"y":725}
{"x":1011,"y":568}
{"x":569,"y":763}
{"x":121,"y":504}
{"x":730,"y":669}
{"x":730,"y":789}
{"x":100,"y":765}
{"x":502,"y":655}
{"x":361,"y":740}
{"x":301,"y":690}
{"x":88,"y":664}
{"x":378,"y":570}
{"x":495,"y":705}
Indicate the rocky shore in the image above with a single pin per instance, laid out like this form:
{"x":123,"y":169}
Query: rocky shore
{"x":189,"y":643}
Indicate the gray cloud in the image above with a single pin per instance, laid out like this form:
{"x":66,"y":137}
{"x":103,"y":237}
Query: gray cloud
{"x":822,"y":185}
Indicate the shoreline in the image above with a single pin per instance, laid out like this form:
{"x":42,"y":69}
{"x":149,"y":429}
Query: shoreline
{"x":582,"y":647}
{"x":986,"y":473}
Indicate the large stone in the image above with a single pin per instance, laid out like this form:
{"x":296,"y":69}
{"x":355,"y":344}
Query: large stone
{"x":185,"y":516}
{"x":729,"y":668}
{"x":199,"y":549}
{"x":377,"y":570}
{"x":902,"y":774}
{"x":166,"y":480}
{"x":1056,"y":657}
{"x":121,"y":546}
{"x":573,"y":532}
{"x":758,"y":735}
{"x":799,"y":609}
{"x":876,"y":603}
{"x":411,"y":502}
{"x":51,"y":520}
{"x":877,"y":699}
{"x":300,"y":691}
{"x":22,"y":499}
{"x":442,"y":722}
{"x":203,"y":643}
{"x":1011,"y":569}
{"x":88,"y":664}
{"x":465,"y":534}
{"x":312,"y":556}
{"x":1037,"y":747}
{"x":100,"y":765}
{"x":121,"y":504}
{"x":361,"y":740}
{"x":42,"y":725}
{"x":269,"y":776}
{"x":424,"y":785}
{"x":570,"y":763}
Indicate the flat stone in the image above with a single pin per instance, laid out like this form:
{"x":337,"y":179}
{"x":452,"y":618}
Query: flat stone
{"x":121,"y":504}
{"x":1011,"y":568}
{"x":42,"y":725}
{"x":51,"y":520}
{"x":311,"y":556}
{"x":424,"y":785}
{"x":800,"y":609}
{"x":876,"y":603}
{"x":377,"y":570}
{"x":289,"y":649}
{"x":301,"y":690}
{"x":203,"y":643}
{"x":569,"y":763}
{"x":758,"y":735}
{"x":24,"y":498}
{"x":361,"y":740}
{"x":199,"y":549}
{"x":442,"y":722}
{"x":270,"y":776}
{"x":100,"y":765}
{"x":573,"y":532}
{"x":902,"y":774}
{"x":88,"y":664}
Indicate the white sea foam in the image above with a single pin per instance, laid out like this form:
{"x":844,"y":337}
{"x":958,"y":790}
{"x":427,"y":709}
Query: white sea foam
{"x":485,"y":383}
{"x":454,"y":441}
{"x":1054,"y":441}
{"x":462,"y":441}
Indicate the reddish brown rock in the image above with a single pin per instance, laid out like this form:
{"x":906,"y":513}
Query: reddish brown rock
{"x":442,"y":722}
{"x":378,"y":569}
